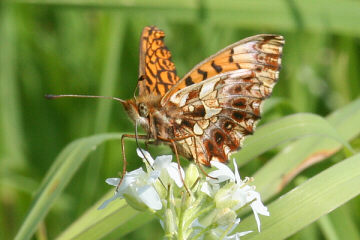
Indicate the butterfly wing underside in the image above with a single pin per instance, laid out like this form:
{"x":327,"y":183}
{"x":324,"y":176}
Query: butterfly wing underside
{"x":157,"y":73}
{"x":220,"y":100}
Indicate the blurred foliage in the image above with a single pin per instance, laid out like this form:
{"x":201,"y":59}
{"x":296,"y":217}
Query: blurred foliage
{"x":91,"y":47}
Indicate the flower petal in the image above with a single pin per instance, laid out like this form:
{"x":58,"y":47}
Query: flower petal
{"x":259,"y":208}
{"x":237,"y":236}
{"x":150,"y":197}
{"x":237,"y":175}
{"x":162,"y":161}
{"x":113,"y":181}
{"x":134,"y":174}
{"x":153,"y":176}
{"x":174,"y":174}
{"x":218,"y":176}
{"x":206,"y":188}
{"x":223,"y":172}
{"x":104,"y":204}
{"x":145,"y":155}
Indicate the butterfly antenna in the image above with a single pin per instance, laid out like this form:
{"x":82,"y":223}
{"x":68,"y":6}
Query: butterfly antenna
{"x":135,"y":91}
{"x":50,"y":96}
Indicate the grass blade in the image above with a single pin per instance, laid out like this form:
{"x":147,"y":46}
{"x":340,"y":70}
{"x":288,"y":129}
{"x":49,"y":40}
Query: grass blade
{"x":65,"y":166}
{"x":285,"y":129}
{"x":12,"y":136}
{"x":311,"y":200}
{"x":96,"y":224}
{"x":272,"y":177}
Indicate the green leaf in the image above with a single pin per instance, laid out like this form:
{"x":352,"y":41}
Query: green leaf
{"x":117,"y":216}
{"x":11,"y":125}
{"x":282,"y":130}
{"x":60,"y":174}
{"x":272,"y":177}
{"x":342,"y":220}
{"x":306,"y":203}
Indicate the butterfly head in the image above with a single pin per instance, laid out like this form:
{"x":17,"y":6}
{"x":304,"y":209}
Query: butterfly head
{"x":138,"y":112}
{"x":143,"y":110}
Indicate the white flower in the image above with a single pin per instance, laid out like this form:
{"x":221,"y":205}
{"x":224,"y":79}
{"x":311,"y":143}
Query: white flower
{"x":211,"y":185}
{"x":257,"y":207}
{"x":237,"y":194}
{"x":138,"y":190}
{"x":145,"y":156}
{"x":223,"y":173}
{"x":164,"y":165}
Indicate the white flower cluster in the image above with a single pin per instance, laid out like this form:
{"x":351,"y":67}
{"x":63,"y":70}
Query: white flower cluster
{"x":209,"y":212}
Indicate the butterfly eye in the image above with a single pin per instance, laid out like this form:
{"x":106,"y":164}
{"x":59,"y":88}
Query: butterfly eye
{"x":143,"y":110}
{"x":142,"y":77}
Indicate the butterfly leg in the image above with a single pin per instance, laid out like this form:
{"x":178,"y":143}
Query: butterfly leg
{"x":123,"y":153}
{"x":179,"y":166}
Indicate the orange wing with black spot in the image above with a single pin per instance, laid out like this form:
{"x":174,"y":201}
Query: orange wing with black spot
{"x":157,"y":73}
{"x":260,"y":53}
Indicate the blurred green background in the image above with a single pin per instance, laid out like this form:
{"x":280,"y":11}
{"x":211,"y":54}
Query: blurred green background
{"x":91,"y":47}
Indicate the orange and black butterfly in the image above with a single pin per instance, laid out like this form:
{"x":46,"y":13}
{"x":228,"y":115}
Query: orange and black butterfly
{"x":208,"y":112}
{"x":205,"y":115}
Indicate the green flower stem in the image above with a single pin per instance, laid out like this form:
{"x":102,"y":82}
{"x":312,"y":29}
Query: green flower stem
{"x":181,"y":216}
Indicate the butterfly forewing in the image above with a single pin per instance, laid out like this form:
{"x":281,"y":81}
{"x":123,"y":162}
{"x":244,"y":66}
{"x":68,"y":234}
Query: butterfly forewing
{"x":157,"y":73}
{"x":260,"y":53}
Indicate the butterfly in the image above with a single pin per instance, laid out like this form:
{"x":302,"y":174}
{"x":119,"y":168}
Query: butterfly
{"x":206,"y":115}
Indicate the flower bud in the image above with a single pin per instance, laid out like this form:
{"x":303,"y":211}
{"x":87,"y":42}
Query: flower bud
{"x":191,"y":175}
{"x":225,"y":196}
{"x":135,"y":202}
{"x":170,"y":221}
{"x":225,"y":216}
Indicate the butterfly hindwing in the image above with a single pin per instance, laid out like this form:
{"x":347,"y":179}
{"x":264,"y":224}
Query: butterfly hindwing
{"x":219,"y":113}
{"x":157,"y":73}
{"x":220,"y":108}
